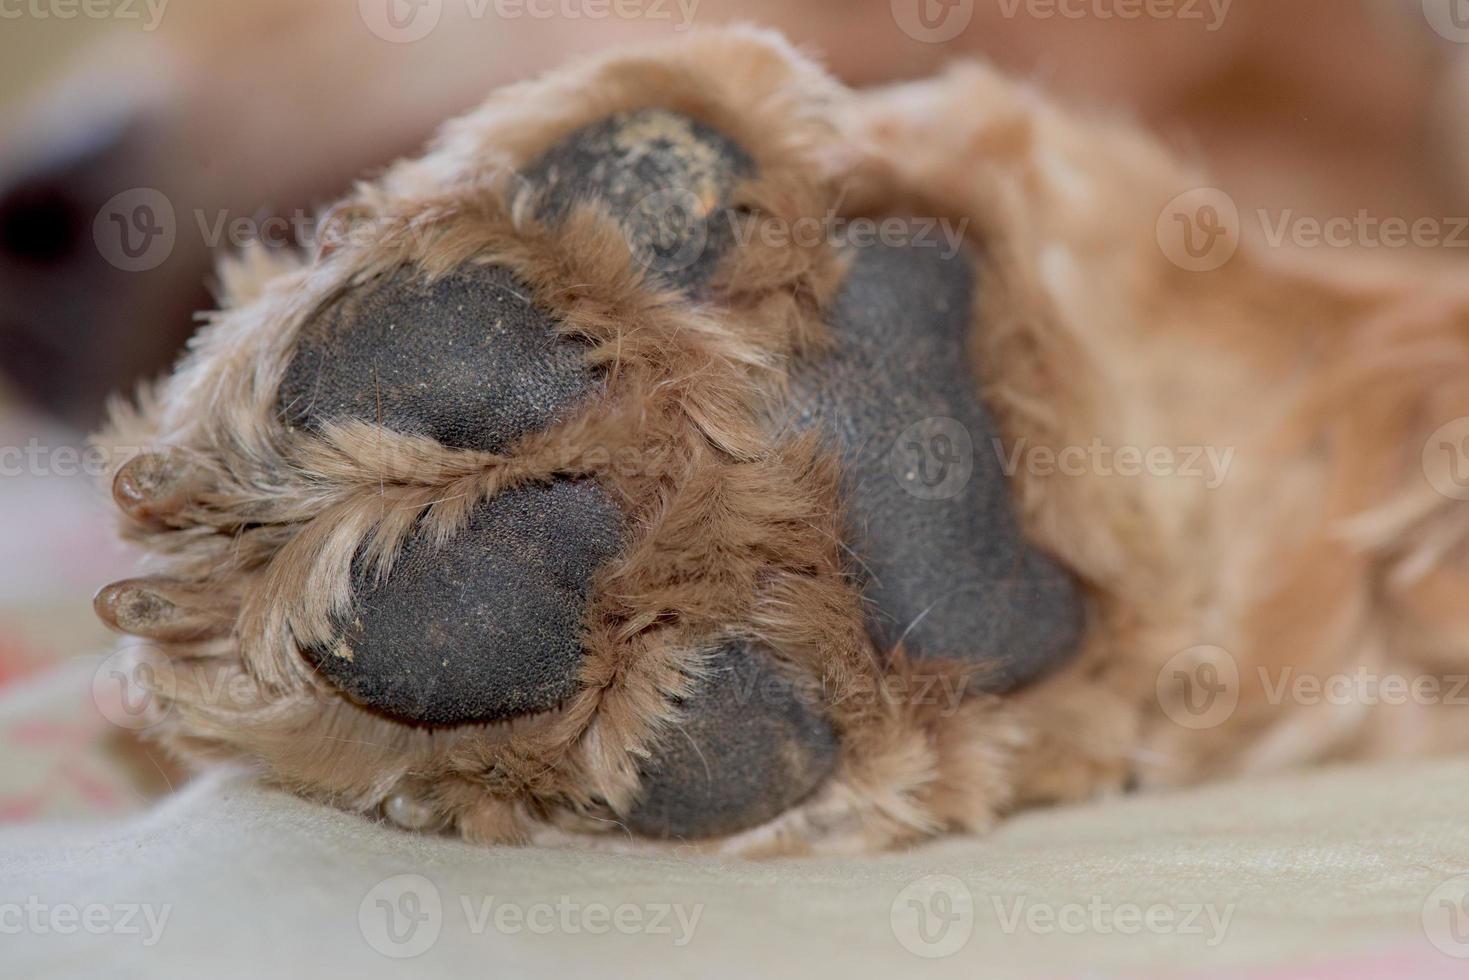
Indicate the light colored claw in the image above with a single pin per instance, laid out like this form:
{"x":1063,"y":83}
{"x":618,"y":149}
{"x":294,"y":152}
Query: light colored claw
{"x":159,"y":609}
{"x":152,"y":487}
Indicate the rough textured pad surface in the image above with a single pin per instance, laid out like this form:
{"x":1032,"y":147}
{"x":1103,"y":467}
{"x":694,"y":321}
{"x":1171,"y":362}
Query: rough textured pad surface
{"x":465,"y":359}
{"x":928,"y":508}
{"x":663,"y":175}
{"x":489,"y":626}
{"x":749,"y":748}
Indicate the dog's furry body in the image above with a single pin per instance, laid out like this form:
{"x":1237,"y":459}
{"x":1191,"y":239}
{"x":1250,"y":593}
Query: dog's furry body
{"x":1324,"y":549}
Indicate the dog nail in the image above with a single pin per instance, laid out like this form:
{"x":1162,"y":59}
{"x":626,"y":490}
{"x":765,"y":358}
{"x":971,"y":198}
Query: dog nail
{"x":408,"y":813}
{"x":153,"y":487}
{"x":157,"y":610}
{"x":747,"y":747}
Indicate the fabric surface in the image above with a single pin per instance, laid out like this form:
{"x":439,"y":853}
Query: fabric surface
{"x":1337,"y":873}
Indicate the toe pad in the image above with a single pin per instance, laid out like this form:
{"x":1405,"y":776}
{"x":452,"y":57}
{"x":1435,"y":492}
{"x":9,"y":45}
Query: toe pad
{"x":489,"y":626}
{"x":748,"y":747}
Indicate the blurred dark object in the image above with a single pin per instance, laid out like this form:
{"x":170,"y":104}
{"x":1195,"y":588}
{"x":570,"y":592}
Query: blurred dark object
{"x":74,"y":327}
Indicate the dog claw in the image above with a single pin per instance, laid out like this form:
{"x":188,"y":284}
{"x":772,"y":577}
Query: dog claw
{"x":153,"y":487}
{"x":158,"y":609}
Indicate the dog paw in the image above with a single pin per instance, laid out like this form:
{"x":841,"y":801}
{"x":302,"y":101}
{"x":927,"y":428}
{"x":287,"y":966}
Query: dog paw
{"x":429,"y":521}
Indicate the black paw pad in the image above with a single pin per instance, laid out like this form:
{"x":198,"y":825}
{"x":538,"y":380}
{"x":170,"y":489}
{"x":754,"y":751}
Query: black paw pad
{"x":749,"y":747}
{"x":466,"y":359}
{"x":667,"y":178}
{"x":487,"y":627}
{"x":927,"y":501}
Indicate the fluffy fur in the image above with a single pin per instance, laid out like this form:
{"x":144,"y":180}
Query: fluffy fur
{"x":1323,"y":549}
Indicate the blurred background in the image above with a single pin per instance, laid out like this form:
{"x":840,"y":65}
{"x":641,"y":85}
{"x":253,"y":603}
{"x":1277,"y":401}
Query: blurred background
{"x":142,"y":139}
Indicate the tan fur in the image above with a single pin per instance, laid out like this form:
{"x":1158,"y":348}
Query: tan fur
{"x":1319,"y":549}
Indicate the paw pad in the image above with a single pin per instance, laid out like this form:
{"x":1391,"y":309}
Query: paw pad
{"x":465,"y":359}
{"x":488,"y":626}
{"x":748,"y":746}
{"x":664,"y":176}
{"x":946,"y":573}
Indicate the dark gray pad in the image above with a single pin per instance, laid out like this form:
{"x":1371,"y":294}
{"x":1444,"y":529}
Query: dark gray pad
{"x":750,"y":747}
{"x":928,"y":510}
{"x":489,"y":626}
{"x":466,"y":360}
{"x":664,"y":176}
